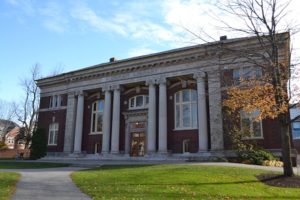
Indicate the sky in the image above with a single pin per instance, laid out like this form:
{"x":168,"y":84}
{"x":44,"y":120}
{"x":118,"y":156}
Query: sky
{"x":62,"y":36}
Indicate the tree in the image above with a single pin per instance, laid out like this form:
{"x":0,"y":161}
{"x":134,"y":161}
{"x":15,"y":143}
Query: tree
{"x":27,"y":110}
{"x":267,"y":93}
{"x":39,"y":144}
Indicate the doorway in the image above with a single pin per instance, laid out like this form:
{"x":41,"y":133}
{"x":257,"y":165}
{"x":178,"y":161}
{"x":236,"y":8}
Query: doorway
{"x":137,"y":144}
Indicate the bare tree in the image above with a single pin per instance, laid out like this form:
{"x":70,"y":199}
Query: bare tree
{"x":262,"y":19}
{"x":27,"y":110}
{"x":6,"y":118}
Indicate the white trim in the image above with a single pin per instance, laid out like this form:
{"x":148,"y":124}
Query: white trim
{"x":134,"y":98}
{"x":250,"y":116}
{"x":96,"y":112}
{"x":180,"y":103}
{"x":53,"y":131}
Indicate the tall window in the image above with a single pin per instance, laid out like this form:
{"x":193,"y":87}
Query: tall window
{"x":97,"y":116}
{"x":246,"y":73}
{"x":296,"y":129}
{"x":252,"y":128}
{"x":55,"y":101}
{"x":138,"y":102}
{"x":53,"y":133}
{"x":186,"y":109}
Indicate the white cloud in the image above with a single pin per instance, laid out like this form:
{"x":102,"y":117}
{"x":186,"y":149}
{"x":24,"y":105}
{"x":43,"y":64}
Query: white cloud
{"x":86,"y":14}
{"x":53,"y":17}
{"x":26,"y":5}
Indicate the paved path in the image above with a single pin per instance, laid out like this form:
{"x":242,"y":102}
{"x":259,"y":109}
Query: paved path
{"x":47,"y":184}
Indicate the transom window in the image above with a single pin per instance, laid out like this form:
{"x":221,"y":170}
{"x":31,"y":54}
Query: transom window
{"x":55,"y":101}
{"x":138,"y":102}
{"x":186,"y":109}
{"x":97,"y":116}
{"x":252,"y":128}
{"x":53,"y":133}
{"x":246,"y":73}
{"x":296,"y":129}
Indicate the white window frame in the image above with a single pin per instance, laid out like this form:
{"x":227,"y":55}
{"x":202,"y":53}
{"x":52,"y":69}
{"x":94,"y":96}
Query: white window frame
{"x":96,"y":113}
{"x":251,"y":117}
{"x":53,"y":133}
{"x":135,"y":107}
{"x":55,"y":101}
{"x":180,"y":104}
{"x":293,"y":129}
{"x":246,"y":73}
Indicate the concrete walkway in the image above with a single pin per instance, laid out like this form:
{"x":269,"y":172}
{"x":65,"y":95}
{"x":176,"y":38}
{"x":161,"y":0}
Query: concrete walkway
{"x":47,"y":184}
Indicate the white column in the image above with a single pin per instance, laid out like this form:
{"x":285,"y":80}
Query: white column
{"x":151,"y":132}
{"x":116,"y":121}
{"x":79,"y":123}
{"x":70,"y":124}
{"x":106,"y":121}
{"x":162,"y":131}
{"x":215,"y":110}
{"x":202,"y":112}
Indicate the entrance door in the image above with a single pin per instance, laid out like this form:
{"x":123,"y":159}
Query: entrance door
{"x":137,"y":144}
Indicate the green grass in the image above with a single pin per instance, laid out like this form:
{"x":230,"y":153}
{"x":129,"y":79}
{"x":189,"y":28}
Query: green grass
{"x":8,"y":181}
{"x":29,"y":165}
{"x":177,"y":182}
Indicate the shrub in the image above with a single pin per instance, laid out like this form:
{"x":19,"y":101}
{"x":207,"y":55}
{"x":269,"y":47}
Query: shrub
{"x":38,"y":144}
{"x":3,"y":146}
{"x":255,"y":156}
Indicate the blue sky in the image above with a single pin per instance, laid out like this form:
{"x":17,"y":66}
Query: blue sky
{"x":71,"y":34}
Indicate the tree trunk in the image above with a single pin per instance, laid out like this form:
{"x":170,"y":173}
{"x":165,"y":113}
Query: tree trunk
{"x":286,"y":146}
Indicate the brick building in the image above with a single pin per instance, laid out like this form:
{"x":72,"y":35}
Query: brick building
{"x":167,"y":103}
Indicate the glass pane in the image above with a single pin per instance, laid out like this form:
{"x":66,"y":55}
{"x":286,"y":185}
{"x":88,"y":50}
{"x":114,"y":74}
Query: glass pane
{"x":236,"y":73}
{"x":100,"y":105}
{"x":245,"y":124}
{"x":147,"y":100}
{"x":139,"y":101}
{"x":258,"y":71}
{"x":296,"y":133}
{"x":247,"y":72}
{"x":51,"y":137}
{"x":296,"y":125}
{"x":256,"y":129}
{"x":194,"y":95}
{"x":194,"y":115}
{"x":177,"y":118}
{"x":94,"y":106}
{"x":177,"y":95}
{"x":185,"y":95}
{"x":186,"y":115}
{"x":132,"y":102}
{"x":93,"y":122}
{"x":55,"y":137}
{"x":99,"y":123}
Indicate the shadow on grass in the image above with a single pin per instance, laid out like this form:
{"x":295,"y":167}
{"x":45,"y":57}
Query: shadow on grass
{"x":118,"y":167}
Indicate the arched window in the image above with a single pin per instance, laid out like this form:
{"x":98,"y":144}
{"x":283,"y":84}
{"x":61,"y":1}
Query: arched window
{"x":138,"y":102}
{"x":97,"y":116}
{"x":186,"y":109}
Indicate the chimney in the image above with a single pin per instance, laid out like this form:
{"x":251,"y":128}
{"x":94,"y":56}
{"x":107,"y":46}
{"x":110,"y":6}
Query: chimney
{"x":224,"y":37}
{"x":112,"y":59}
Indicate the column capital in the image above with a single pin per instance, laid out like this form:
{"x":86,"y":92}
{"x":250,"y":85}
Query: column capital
{"x":161,"y":80}
{"x":71,"y":94}
{"x":105,"y":88}
{"x":151,"y":81}
{"x":79,"y":93}
{"x":199,"y":75}
{"x":115,"y":87}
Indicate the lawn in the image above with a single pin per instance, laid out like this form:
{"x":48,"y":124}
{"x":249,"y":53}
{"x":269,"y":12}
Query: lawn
{"x":177,"y":182}
{"x":29,"y":165}
{"x":8,"y":181}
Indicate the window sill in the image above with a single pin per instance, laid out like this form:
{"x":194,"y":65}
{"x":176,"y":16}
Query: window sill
{"x":253,"y":138}
{"x":52,"y":144}
{"x":96,"y":133}
{"x":184,"y":129}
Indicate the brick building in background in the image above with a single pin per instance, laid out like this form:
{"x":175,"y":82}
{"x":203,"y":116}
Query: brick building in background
{"x":162,"y":104}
